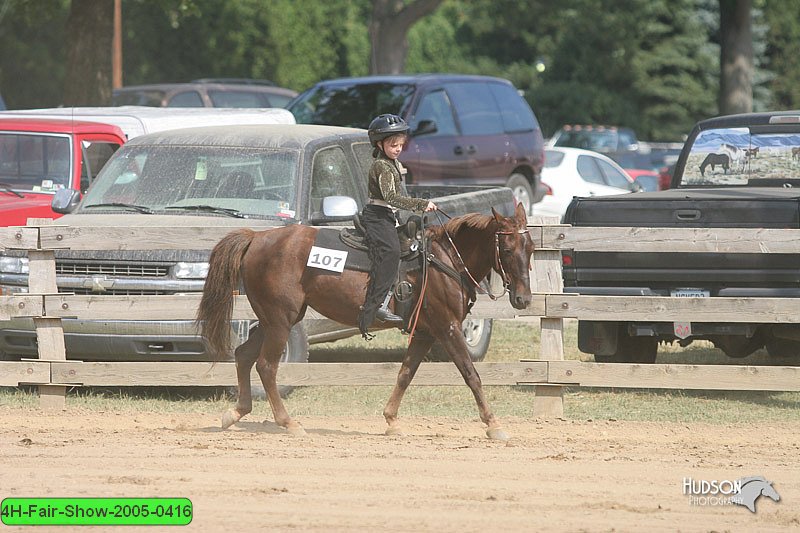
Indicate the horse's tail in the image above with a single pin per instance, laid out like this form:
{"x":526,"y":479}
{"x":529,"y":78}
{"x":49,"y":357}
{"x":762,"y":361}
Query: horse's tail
{"x":216,"y":306}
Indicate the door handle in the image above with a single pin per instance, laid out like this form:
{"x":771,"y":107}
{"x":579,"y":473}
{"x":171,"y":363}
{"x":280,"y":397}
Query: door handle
{"x":458,"y":150}
{"x":471,"y":149}
{"x":687,"y":214}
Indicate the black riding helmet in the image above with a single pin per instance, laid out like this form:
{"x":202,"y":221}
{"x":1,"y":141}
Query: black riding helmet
{"x":384,"y":126}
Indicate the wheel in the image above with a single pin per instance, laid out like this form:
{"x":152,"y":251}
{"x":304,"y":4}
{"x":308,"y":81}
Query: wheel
{"x":296,"y":351}
{"x":641,"y":350}
{"x":783,"y":348}
{"x":477,"y":333}
{"x":521,"y":188}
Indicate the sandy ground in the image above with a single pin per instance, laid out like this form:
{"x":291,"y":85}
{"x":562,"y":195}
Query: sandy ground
{"x":444,"y":475}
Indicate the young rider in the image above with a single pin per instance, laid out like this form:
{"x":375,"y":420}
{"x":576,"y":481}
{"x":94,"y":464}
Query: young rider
{"x":388,"y":134}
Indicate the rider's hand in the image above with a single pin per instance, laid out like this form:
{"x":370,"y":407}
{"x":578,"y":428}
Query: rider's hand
{"x":431,"y":206}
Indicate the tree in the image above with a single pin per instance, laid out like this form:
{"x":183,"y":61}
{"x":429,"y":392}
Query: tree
{"x":90,"y":32}
{"x":388,"y":30}
{"x":736,"y":57}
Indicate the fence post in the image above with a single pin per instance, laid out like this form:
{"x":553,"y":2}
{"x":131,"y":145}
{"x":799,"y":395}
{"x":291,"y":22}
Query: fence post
{"x":49,"y":330}
{"x":549,"y":399}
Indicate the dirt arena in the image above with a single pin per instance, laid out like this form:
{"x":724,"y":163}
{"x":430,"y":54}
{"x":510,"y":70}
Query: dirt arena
{"x":444,"y":475}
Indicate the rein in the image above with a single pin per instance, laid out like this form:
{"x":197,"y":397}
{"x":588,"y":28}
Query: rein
{"x":498,"y":264}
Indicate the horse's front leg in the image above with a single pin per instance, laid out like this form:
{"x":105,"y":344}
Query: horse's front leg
{"x":420,"y":345}
{"x":456,"y":348}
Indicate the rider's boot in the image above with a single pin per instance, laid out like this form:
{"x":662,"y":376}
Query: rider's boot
{"x":383,"y":314}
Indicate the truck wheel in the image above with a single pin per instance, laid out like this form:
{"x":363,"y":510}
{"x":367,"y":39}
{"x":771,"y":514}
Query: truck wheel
{"x":521,"y":188}
{"x":477,"y":333}
{"x":296,"y":351}
{"x":783,"y":348}
{"x":641,"y":350}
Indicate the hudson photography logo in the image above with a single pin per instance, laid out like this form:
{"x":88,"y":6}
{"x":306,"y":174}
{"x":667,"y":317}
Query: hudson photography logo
{"x":743,"y":491}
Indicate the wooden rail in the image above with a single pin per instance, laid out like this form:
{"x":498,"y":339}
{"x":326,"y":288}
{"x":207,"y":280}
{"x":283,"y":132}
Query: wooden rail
{"x":549,"y":374}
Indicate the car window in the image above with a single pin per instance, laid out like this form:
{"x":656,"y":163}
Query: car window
{"x":435,"y":107}
{"x":552,"y":158}
{"x":149,"y":98}
{"x":363,"y":155}
{"x":353,"y":105}
{"x":589,"y":171}
{"x":237,"y":99}
{"x":94,"y":156}
{"x":186,"y":99}
{"x":331,"y":176}
{"x":278,"y":100}
{"x":35,"y":162}
{"x":515,"y":112}
{"x":475,"y":108}
{"x":614,"y":177}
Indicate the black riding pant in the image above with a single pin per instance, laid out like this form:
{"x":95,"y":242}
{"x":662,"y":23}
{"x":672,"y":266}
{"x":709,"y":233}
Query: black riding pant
{"x":384,"y":253}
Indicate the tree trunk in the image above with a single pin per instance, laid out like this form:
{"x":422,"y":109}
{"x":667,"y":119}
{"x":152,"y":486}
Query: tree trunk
{"x":388,"y":30}
{"x":736,"y":57}
{"x":90,"y":33}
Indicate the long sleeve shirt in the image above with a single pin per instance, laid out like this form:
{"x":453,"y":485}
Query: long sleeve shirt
{"x":386,"y":184}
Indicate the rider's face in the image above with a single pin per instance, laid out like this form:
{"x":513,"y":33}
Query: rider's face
{"x":393,"y":146}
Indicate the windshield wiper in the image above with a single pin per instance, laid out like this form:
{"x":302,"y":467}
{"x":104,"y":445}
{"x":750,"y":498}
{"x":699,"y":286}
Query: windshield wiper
{"x":211,"y":209}
{"x":139,"y":208}
{"x":6,"y":187}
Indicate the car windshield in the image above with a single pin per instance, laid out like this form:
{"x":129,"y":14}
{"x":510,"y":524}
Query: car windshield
{"x":757,"y":156}
{"x":198,"y":180}
{"x":353,"y":105}
{"x":35,"y":162}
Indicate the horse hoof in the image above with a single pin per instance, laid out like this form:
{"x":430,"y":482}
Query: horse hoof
{"x":295,"y":429}
{"x":497,"y":434}
{"x":230,"y":418}
{"x":394,"y":431}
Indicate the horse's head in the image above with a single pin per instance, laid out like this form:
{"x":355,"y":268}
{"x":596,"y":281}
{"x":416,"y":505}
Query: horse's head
{"x":514,"y":247}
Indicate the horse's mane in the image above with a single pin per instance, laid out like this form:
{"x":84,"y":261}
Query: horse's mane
{"x":452,"y":226}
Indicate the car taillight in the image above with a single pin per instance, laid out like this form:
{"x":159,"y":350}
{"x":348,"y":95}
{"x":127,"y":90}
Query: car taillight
{"x":566,"y":259}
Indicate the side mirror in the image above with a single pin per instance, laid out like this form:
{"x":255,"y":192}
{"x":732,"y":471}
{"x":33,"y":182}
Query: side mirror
{"x":425,"y":127}
{"x":65,"y":201}
{"x":636,"y":187}
{"x":335,"y":209}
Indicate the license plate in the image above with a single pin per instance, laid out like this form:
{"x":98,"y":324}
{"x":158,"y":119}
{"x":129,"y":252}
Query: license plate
{"x":690,"y":293}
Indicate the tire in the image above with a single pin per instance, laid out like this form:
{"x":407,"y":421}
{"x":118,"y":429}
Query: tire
{"x":522,"y":190}
{"x":640,"y":350}
{"x":477,"y":333}
{"x":783,"y":348}
{"x":296,"y":351}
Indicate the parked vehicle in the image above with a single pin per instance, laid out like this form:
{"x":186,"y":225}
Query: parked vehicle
{"x":570,"y":172}
{"x":647,"y":179}
{"x":203,"y":94}
{"x":252,"y":176}
{"x":45,"y":150}
{"x":738,"y":171}
{"x":465,"y":130}
{"x":39,"y":156}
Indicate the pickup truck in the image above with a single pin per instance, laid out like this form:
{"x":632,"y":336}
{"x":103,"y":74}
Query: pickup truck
{"x":739,"y":171}
{"x":253,"y":176}
{"x":45,"y":150}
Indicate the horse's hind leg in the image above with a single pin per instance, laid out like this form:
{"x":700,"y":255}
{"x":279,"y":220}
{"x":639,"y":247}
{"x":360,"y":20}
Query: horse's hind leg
{"x":275,"y":338}
{"x":245,"y":356}
{"x":457,"y":350}
{"x":420,"y":345}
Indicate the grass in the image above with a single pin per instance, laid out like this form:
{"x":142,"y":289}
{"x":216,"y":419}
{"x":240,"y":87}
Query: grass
{"x":511,"y":341}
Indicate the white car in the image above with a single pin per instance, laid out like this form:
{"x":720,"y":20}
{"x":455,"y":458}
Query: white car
{"x":570,"y":172}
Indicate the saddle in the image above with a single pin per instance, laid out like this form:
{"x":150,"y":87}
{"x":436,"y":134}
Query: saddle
{"x":407,"y":234}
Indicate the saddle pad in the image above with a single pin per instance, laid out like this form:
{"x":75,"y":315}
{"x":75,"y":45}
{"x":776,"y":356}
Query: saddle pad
{"x":356,"y":259}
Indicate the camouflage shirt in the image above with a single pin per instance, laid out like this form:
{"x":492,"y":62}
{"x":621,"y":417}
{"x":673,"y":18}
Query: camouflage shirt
{"x":386,"y":183}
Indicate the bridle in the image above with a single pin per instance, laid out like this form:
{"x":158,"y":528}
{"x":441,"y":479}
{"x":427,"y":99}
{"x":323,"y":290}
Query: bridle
{"x":498,"y":263}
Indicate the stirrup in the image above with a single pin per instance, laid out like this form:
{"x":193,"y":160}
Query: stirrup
{"x":384,"y":315}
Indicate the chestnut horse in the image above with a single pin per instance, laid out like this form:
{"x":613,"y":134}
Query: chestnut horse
{"x":279,"y":286}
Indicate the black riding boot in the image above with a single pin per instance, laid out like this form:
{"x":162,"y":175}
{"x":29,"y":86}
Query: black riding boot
{"x":384,"y":314}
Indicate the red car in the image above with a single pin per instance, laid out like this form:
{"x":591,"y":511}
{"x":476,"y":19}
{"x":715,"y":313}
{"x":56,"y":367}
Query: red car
{"x":41,"y":156}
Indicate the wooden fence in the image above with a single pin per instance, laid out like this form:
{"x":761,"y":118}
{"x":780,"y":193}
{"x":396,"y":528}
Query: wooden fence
{"x":549,"y":374}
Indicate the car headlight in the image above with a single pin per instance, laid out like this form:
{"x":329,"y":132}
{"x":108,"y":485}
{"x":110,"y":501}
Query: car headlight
{"x":191,"y":270}
{"x":14,"y":265}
